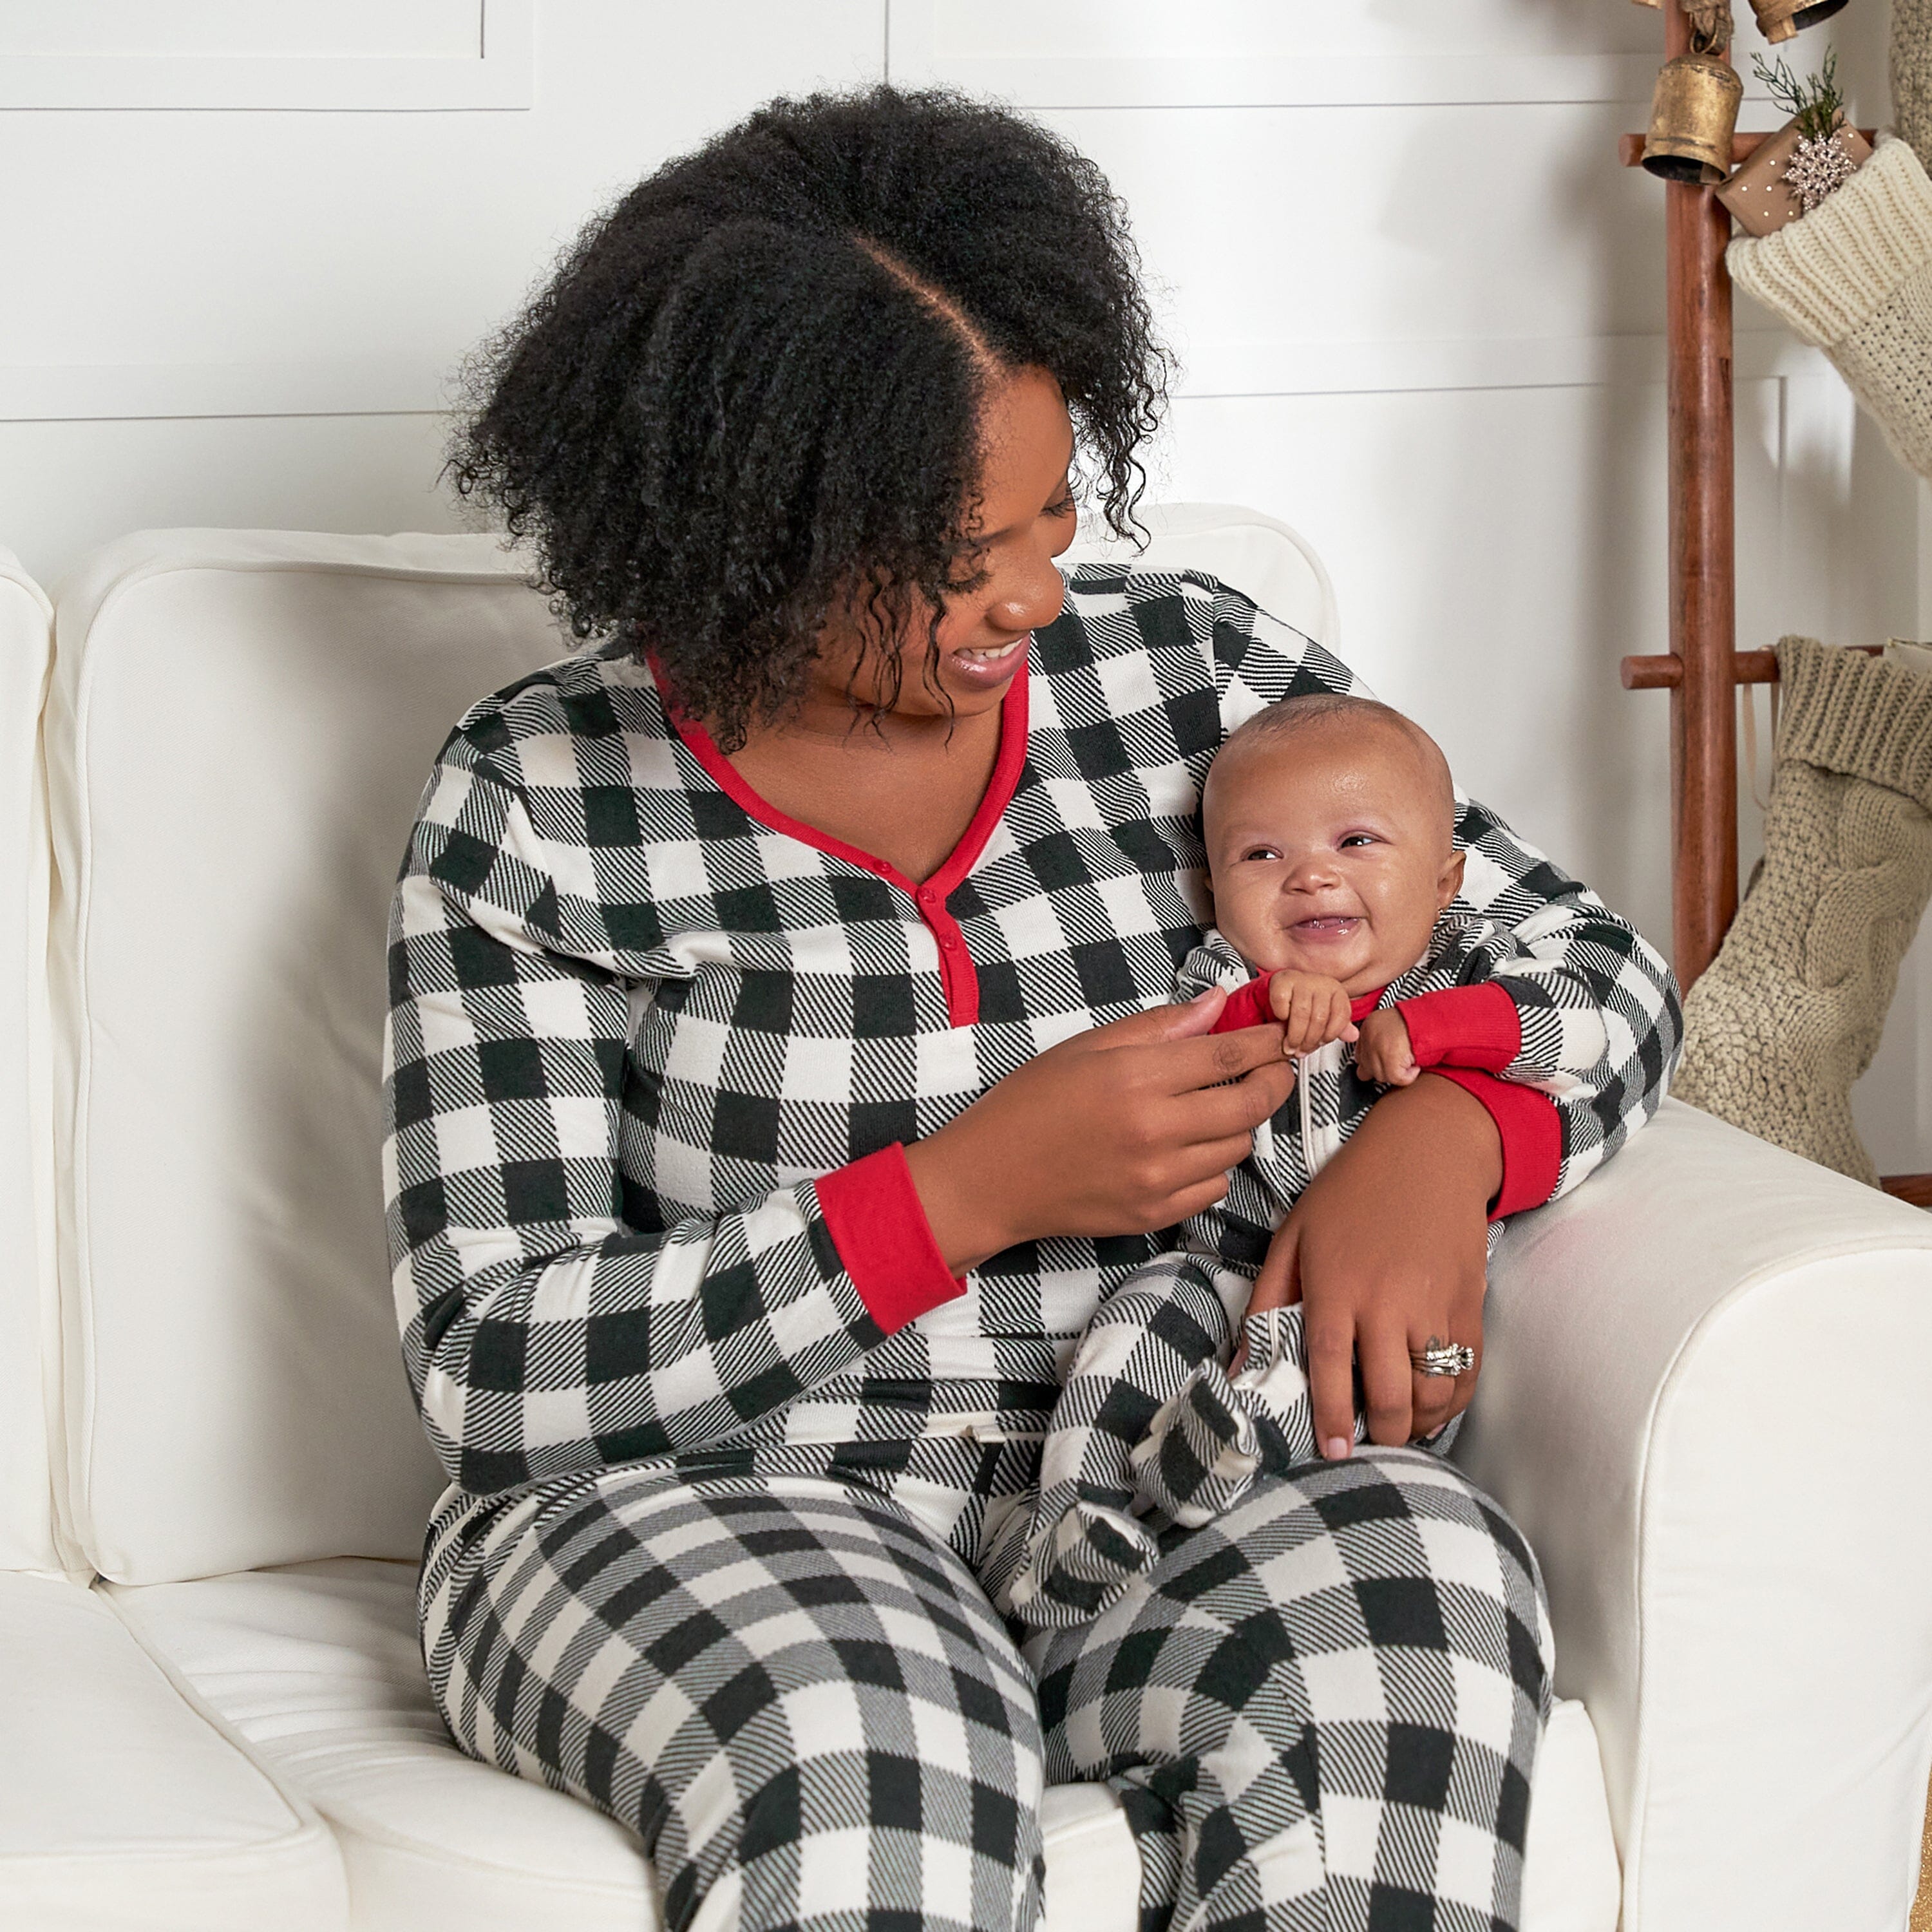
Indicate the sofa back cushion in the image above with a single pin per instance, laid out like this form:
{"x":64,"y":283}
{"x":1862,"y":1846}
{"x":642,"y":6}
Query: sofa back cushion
{"x":29,"y":1315}
{"x":241,"y":727}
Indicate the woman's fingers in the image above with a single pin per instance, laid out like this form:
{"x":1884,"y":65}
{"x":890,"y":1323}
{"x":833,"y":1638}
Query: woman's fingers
{"x":1195,"y":1017}
{"x":1180,"y":1066}
{"x":1388,"y":1381}
{"x":1215,"y":1113}
{"x":1277,"y":1282}
{"x":1432,"y":1398}
{"x":1330,"y":1339}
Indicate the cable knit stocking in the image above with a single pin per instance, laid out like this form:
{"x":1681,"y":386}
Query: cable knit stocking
{"x":1789,"y":1014}
{"x":1854,"y":276}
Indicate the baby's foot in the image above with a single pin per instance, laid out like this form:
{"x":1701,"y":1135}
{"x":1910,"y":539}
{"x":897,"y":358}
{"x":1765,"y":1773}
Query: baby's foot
{"x":1081,"y":1565}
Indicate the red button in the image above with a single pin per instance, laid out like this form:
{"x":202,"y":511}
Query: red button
{"x":948,"y":942}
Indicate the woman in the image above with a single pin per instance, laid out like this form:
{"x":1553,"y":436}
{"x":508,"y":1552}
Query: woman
{"x":781,"y":1073}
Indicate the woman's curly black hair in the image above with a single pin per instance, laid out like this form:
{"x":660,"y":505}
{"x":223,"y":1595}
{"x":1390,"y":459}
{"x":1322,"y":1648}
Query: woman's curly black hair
{"x":751,"y":395}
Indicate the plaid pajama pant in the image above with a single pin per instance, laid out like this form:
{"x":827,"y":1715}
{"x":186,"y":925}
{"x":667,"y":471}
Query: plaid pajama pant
{"x":1321,"y":1710}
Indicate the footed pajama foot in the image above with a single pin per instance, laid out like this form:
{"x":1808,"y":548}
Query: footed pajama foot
{"x":1080,"y":1566}
{"x":1207,"y":1442}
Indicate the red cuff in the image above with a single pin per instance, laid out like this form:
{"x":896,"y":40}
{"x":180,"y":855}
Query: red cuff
{"x":1247,"y":1006}
{"x":878,"y":1223}
{"x":1532,"y":1137}
{"x":1463,"y":1026}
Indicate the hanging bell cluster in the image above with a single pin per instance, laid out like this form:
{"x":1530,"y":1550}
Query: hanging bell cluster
{"x":1693,"y":113}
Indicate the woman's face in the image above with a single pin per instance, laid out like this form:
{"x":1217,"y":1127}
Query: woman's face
{"x":1026,"y":518}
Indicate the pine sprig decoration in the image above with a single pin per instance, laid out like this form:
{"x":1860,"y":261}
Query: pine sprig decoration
{"x":1814,"y":101}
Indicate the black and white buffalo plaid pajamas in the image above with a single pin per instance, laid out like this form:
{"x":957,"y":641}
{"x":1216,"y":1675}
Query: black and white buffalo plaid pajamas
{"x":1150,"y":1428}
{"x":729,"y":1447}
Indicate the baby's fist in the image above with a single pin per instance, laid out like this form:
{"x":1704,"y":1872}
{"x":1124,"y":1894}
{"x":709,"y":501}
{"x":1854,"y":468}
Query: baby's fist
{"x":1383,"y":1052}
{"x":1312,"y":1009}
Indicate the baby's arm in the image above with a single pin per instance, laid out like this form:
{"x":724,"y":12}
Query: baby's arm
{"x":1511,"y":1014}
{"x":1083,"y":1544}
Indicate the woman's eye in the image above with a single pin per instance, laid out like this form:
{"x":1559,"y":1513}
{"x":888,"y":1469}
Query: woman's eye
{"x":1065,"y":507}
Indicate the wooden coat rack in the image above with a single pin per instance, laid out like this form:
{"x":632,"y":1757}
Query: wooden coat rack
{"x":1704,"y":666}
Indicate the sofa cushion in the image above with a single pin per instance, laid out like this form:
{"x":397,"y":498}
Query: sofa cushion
{"x":29,"y":1315}
{"x":239,"y":731}
{"x":317,"y":1666}
{"x":124,"y":1803}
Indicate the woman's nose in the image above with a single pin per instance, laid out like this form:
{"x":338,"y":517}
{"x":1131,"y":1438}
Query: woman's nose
{"x":1030,"y":600}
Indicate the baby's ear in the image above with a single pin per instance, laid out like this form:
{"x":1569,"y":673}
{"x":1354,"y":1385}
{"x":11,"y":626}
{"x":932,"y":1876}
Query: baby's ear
{"x":1449,"y":881}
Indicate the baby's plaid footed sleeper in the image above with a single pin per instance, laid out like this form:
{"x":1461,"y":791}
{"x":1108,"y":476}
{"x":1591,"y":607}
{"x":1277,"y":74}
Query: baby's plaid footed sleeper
{"x":1150,"y":1429}
{"x":727,"y":1444}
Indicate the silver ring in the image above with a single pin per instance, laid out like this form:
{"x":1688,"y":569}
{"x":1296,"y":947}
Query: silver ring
{"x":1443,"y":1358}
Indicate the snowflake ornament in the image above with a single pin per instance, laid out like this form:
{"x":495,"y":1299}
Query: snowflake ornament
{"x":1818,"y":168}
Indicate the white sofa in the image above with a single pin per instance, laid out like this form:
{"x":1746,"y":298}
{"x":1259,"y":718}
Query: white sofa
{"x":1704,"y":1398}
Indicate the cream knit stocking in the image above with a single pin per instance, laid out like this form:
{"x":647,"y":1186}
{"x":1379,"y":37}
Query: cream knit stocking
{"x":1789,"y":1013}
{"x":1854,"y":276}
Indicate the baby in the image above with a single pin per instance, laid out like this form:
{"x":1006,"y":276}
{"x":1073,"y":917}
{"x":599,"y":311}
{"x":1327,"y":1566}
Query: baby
{"x":1330,"y":825}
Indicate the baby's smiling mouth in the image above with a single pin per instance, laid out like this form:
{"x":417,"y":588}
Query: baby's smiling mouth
{"x":1326,"y":925}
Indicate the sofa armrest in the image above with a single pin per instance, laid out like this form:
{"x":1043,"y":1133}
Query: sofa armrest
{"x":1705,"y":1399}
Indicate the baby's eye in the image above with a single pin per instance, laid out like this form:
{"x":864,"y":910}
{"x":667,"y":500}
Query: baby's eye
{"x":1358,"y":839}
{"x":1263,"y":852}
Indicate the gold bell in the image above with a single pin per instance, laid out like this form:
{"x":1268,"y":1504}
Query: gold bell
{"x":1693,"y":115}
{"x":1779,"y":20}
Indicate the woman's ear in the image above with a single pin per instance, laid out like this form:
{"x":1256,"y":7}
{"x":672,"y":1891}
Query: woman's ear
{"x":1449,"y":881}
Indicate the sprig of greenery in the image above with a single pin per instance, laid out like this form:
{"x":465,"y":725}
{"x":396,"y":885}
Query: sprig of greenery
{"x":1814,"y":101}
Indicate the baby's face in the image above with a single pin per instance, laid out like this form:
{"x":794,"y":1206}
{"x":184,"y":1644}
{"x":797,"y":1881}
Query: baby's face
{"x":1331,"y":851}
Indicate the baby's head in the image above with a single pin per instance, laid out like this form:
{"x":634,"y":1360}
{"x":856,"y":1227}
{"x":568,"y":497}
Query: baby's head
{"x":1329,"y":824}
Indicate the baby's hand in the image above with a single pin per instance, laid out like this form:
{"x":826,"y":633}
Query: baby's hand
{"x":1315,"y":1010}
{"x":1384,"y":1053}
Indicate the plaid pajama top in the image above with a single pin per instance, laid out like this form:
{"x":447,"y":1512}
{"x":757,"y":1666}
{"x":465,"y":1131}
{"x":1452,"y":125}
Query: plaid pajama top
{"x":653,"y":1052}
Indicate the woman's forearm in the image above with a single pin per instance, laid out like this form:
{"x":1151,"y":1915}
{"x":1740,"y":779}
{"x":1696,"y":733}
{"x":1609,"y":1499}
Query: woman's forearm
{"x":1439,"y":1121}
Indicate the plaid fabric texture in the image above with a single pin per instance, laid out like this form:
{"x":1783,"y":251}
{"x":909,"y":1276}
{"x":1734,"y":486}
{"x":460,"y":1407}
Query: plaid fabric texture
{"x":632,"y":1022}
{"x":799,"y":1700}
{"x":1206,"y":1445}
{"x":1322,"y":1710}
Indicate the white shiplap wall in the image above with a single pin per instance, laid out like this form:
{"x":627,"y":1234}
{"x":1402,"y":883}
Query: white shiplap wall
{"x":1418,"y":304}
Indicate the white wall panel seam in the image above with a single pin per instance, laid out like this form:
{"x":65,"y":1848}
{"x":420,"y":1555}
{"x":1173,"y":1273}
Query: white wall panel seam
{"x":207,"y":391}
{"x":498,"y":77}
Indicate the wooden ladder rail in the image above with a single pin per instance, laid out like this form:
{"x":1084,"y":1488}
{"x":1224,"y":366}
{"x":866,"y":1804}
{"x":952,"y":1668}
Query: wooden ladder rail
{"x":1704,"y":666}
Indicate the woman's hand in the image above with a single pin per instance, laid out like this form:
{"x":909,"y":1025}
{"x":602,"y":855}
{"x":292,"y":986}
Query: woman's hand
{"x":1387,"y":1245}
{"x":1125,"y":1129}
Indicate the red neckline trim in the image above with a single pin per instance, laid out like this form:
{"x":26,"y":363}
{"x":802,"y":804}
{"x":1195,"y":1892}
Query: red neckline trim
{"x":1000,"y":786}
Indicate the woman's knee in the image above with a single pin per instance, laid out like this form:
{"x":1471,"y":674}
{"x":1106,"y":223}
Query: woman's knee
{"x":798,"y":1699}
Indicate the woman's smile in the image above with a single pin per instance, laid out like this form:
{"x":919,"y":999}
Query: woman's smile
{"x":985,"y":667}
